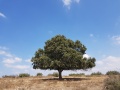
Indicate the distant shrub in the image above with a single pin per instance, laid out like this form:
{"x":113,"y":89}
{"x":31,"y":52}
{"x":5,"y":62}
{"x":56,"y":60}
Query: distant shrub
{"x":24,"y":75}
{"x":80,"y":74}
{"x":49,"y":75}
{"x":9,"y":76}
{"x":96,"y":73}
{"x":88,"y":75}
{"x":39,"y":74}
{"x":112,"y":83}
{"x":55,"y":74}
{"x":112,"y":73}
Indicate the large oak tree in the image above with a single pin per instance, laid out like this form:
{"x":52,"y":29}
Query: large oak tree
{"x":60,"y":54}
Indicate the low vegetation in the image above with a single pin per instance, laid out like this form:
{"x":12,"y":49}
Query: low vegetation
{"x":51,"y":83}
{"x":112,"y":82}
{"x":39,"y":74}
{"x":78,"y":74}
{"x":24,"y":75}
{"x":113,"y":73}
{"x":96,"y":73}
{"x":55,"y":74}
{"x":9,"y":76}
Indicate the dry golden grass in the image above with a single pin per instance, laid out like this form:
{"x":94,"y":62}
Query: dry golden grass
{"x":51,"y":83}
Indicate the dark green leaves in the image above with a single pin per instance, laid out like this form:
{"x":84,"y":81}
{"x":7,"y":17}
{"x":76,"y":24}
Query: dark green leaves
{"x":60,"y":53}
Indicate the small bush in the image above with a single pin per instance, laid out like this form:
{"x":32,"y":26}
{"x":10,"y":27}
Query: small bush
{"x":96,"y":73}
{"x":112,"y":73}
{"x":80,"y":74}
{"x":112,"y":83}
{"x":24,"y":75}
{"x":88,"y":75}
{"x":9,"y":76}
{"x":55,"y":74}
{"x":39,"y":74}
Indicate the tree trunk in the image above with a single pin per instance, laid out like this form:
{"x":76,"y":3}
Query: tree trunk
{"x":60,"y":74}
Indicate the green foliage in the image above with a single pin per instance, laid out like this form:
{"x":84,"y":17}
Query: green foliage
{"x":49,"y":75}
{"x":24,"y":75}
{"x":39,"y":74}
{"x":80,"y":74}
{"x":112,"y":73}
{"x":55,"y":74}
{"x":112,"y":83}
{"x":9,"y":76}
{"x":60,"y":54}
{"x":96,"y":73}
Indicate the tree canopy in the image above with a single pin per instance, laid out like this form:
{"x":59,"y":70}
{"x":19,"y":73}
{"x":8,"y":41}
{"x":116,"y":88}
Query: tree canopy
{"x":60,"y":54}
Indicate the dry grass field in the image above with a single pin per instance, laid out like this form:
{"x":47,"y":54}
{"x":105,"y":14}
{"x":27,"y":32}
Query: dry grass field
{"x":52,"y":83}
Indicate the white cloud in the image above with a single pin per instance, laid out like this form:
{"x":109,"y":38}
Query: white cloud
{"x":107,"y":64}
{"x":77,"y":1}
{"x":116,"y":39}
{"x":17,"y":66}
{"x":28,"y":60}
{"x":68,"y":3}
{"x":4,"y":53}
{"x":3,"y":48}
{"x":8,"y":58}
{"x":21,"y":67}
{"x":2,"y":15}
{"x":91,"y":35}
{"x":11,"y":60}
{"x":86,"y":56}
{"x":13,"y":63}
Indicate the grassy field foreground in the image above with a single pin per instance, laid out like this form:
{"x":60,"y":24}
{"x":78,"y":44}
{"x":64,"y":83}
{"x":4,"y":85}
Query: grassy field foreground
{"x":51,"y":83}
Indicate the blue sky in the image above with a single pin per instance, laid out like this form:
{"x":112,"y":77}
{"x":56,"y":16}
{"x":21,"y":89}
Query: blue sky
{"x":25,"y":25}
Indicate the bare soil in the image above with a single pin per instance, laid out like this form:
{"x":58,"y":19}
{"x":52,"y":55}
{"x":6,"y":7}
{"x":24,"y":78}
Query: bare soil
{"x":52,"y":83}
